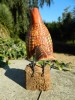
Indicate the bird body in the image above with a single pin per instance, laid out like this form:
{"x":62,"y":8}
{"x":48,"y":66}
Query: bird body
{"x":39,"y":42}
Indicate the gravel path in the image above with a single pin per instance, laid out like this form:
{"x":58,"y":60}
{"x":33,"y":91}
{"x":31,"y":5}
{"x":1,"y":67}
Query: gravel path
{"x":12,"y":82}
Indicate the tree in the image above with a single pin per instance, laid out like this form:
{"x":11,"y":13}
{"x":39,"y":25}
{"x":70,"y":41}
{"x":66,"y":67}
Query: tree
{"x":66,"y":21}
{"x":59,"y":19}
{"x":18,"y":9}
{"x":72,"y":26}
{"x":37,"y":3}
{"x":20,"y":12}
{"x":6,"y":21}
{"x":64,"y":29}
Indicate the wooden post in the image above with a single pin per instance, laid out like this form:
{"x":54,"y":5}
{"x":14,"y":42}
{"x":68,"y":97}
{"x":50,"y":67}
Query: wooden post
{"x":37,"y":81}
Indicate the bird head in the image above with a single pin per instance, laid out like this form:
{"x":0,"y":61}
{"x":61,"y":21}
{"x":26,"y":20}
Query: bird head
{"x":35,"y":15}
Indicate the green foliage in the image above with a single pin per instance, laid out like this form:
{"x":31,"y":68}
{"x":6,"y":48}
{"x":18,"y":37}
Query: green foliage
{"x":64,"y":29}
{"x":6,"y":18}
{"x":1,"y":57}
{"x":55,"y":64}
{"x":4,"y":32}
{"x":61,"y":65}
{"x":55,"y":30}
{"x":20,"y":12}
{"x":41,"y":63}
{"x":12,"y":49}
{"x":37,"y":3}
{"x":2,"y":63}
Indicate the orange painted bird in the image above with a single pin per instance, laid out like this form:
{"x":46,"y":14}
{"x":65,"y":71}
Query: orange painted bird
{"x":38,"y":41}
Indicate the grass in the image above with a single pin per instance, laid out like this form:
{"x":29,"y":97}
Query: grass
{"x":70,"y":42}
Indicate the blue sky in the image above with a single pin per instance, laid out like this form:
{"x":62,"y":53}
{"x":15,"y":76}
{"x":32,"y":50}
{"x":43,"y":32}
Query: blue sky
{"x":52,"y":13}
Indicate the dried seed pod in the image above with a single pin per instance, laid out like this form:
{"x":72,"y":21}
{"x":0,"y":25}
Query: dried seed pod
{"x":39,"y":42}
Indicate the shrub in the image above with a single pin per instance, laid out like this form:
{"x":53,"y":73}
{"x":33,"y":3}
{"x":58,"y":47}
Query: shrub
{"x":6,"y":17}
{"x":12,"y":49}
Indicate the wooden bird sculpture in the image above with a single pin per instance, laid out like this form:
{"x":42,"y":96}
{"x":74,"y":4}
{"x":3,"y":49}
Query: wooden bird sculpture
{"x":38,"y":41}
